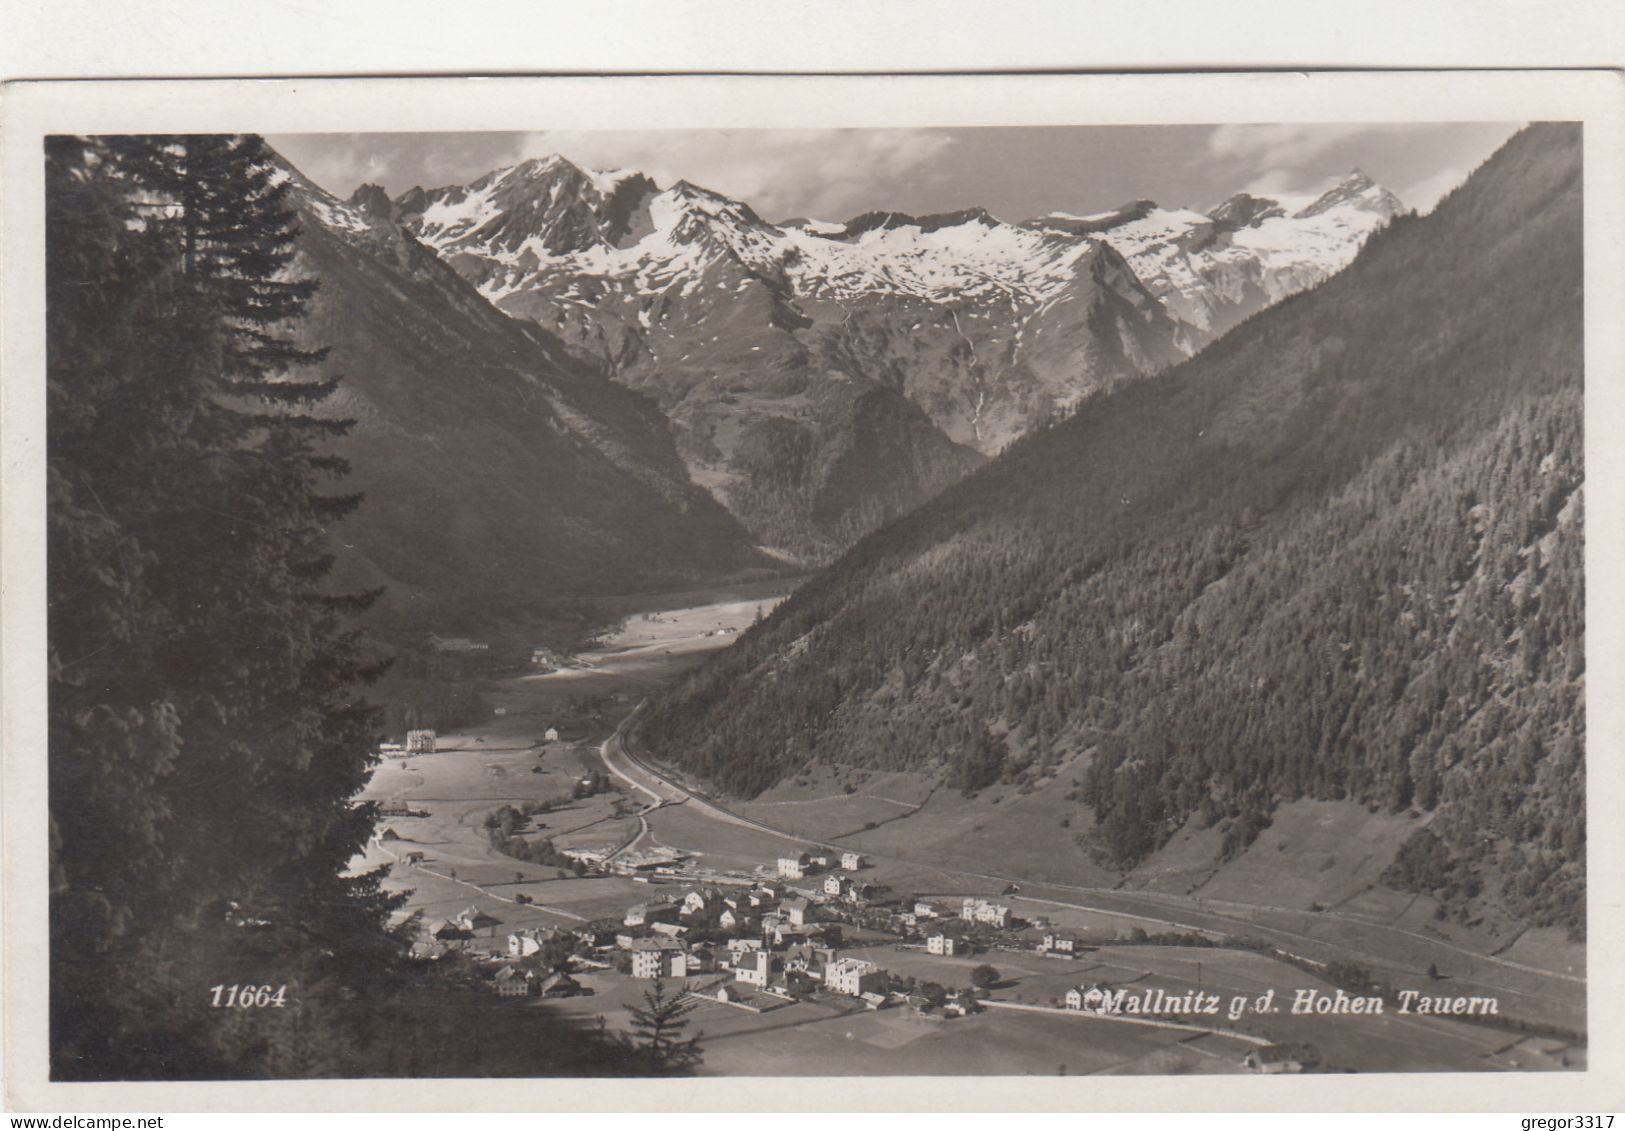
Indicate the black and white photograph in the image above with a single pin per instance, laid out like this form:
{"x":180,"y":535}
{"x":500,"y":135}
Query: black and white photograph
{"x":903,"y":593}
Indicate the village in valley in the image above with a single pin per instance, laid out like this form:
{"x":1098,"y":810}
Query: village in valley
{"x":807,"y":929}
{"x":559,"y":871}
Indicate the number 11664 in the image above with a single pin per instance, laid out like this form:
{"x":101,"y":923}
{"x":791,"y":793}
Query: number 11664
{"x":248,"y":997}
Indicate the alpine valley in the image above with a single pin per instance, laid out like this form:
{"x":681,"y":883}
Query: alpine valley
{"x":1298,"y":621}
{"x":822,"y":378}
{"x":1164,"y":549}
{"x":1144,"y":641}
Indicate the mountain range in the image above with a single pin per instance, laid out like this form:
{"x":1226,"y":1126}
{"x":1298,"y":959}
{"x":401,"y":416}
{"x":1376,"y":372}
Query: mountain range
{"x":822,"y":378}
{"x":500,"y":473}
{"x":1335,"y":557}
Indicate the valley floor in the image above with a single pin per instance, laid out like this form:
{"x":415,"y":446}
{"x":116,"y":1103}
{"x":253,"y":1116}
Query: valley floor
{"x":920,"y":841}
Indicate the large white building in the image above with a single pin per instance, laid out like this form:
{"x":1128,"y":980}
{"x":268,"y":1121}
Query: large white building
{"x":854,"y":976}
{"x":983,"y":911}
{"x":942,"y":944}
{"x":652,"y":958}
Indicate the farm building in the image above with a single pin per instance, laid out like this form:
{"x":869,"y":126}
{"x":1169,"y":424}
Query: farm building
{"x":640,"y":914}
{"x":528,"y":942}
{"x":448,"y":930}
{"x":473,"y":920}
{"x":513,"y":982}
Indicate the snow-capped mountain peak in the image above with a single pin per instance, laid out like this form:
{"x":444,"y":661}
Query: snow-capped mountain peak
{"x":1358,"y":192}
{"x":527,"y":212}
{"x":1214,"y":268}
{"x":550,"y":219}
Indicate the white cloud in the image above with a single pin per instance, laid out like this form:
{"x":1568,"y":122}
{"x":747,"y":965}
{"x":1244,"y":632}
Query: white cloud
{"x":1282,"y":145}
{"x":828,"y":174}
{"x":1274,"y":181}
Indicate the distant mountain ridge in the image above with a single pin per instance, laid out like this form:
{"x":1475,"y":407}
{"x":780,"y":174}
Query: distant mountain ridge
{"x":1336,"y":556}
{"x":1215,"y":269}
{"x":958,"y":330}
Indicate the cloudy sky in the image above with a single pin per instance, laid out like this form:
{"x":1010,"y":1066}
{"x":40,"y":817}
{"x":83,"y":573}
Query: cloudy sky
{"x":1014,"y":172}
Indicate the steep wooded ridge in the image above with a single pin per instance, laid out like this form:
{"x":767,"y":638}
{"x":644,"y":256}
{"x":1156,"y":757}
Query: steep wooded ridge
{"x":499,"y":471}
{"x":825,"y":377}
{"x":1337,"y":555}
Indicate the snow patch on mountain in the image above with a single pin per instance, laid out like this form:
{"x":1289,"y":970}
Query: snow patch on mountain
{"x":1213,"y":269}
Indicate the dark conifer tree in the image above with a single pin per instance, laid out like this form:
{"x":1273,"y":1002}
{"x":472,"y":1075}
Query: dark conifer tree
{"x":657,"y":1032}
{"x":207,"y":737}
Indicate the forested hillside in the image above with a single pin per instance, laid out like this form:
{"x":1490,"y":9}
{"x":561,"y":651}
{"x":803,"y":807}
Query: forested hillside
{"x":1337,"y":555}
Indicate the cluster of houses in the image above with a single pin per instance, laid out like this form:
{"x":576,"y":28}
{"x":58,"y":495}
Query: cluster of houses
{"x":764,"y":940}
{"x":768,"y":944}
{"x":469,"y":923}
{"x":516,"y":981}
{"x":804,"y":864}
{"x":768,"y":918}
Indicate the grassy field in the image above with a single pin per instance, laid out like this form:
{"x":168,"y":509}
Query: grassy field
{"x":715,"y":844}
{"x":504,"y":760}
{"x":1313,"y":852}
{"x":1390,"y":1042}
{"x":1019,"y":834}
{"x":836,"y":1038}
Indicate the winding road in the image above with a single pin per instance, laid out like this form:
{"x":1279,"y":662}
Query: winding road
{"x":1154,"y":910}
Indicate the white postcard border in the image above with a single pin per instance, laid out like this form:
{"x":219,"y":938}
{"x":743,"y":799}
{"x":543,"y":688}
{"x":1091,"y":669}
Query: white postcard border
{"x":32,"y":110}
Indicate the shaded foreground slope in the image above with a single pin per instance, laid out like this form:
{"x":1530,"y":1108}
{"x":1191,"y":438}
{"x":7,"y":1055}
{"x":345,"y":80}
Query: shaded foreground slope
{"x":1337,"y":556}
{"x":498,"y":471}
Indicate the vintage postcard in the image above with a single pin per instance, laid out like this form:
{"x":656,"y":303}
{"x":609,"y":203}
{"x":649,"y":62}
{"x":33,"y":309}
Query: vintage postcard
{"x":678,"y":591}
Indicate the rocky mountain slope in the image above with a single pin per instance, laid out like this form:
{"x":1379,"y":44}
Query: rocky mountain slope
{"x":1212,"y":270}
{"x":824,"y":377}
{"x":1335,"y":556}
{"x":499,"y":471}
